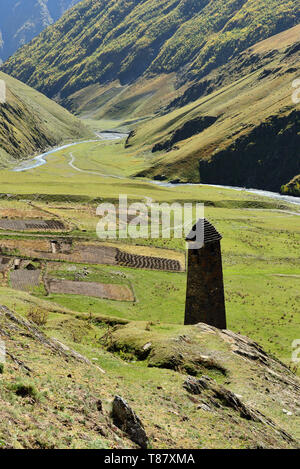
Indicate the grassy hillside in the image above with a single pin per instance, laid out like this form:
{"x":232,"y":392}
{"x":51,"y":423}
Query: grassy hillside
{"x":64,"y":399}
{"x":243,"y":133}
{"x":113,"y":105}
{"x":103,"y":41}
{"x":293,"y":187}
{"x":123,"y":106}
{"x":30,"y":122}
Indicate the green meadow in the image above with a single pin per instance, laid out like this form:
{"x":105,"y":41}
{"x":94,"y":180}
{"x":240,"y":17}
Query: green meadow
{"x":260,"y":243}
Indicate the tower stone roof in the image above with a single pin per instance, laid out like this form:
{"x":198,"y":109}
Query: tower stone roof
{"x":211,"y":235}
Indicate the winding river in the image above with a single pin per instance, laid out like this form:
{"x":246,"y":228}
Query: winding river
{"x":41,"y":159}
{"x":272,"y":195}
{"x":110,"y":136}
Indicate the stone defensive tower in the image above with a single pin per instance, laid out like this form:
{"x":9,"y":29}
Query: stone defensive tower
{"x":205,"y":301}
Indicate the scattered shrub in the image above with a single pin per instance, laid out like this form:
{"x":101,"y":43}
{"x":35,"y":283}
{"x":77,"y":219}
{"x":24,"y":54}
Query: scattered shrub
{"x":26,"y":390}
{"x":38,"y":316}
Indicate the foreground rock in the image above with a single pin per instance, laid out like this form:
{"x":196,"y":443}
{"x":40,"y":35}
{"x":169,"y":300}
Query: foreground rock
{"x":218,"y":396}
{"x":127,"y":420}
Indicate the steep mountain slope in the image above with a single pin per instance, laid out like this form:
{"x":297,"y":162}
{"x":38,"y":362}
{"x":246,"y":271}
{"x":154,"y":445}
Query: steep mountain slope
{"x":21,"y":20}
{"x":30,"y":122}
{"x":54,"y":397}
{"x":251,"y":133}
{"x":114,"y":104}
{"x":103,"y":41}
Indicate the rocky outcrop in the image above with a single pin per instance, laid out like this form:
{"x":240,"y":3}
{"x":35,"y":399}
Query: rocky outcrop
{"x":127,"y":420}
{"x":15,"y":323}
{"x":292,"y":188}
{"x":218,"y":396}
{"x":128,"y":139}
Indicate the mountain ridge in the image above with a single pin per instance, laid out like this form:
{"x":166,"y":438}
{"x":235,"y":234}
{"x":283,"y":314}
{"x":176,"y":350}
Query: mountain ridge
{"x":21,"y":20}
{"x":126,"y":40}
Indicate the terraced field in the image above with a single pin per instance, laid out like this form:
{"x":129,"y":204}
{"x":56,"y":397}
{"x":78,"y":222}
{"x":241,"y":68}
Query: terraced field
{"x":91,"y":289}
{"x":126,"y":259}
{"x":32,"y":225}
{"x":25,"y":280}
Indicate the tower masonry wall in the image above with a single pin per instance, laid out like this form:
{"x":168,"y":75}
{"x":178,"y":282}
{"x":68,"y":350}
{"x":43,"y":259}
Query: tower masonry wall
{"x":205,"y":301}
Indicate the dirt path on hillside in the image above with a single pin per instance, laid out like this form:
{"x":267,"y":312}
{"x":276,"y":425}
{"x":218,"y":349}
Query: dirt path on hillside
{"x":86,"y":171}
